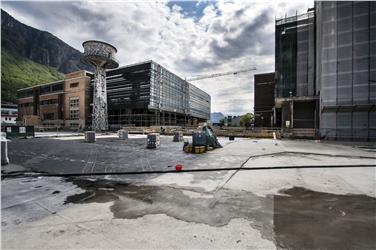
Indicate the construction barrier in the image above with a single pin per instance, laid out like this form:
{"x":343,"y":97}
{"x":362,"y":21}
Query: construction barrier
{"x":15,"y":131}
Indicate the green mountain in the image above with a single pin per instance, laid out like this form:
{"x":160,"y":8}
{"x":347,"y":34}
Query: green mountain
{"x":30,"y":56}
{"x":19,"y":72}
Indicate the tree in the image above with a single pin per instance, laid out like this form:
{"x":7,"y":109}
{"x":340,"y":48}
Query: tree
{"x":246,"y":120}
{"x":222,"y":122}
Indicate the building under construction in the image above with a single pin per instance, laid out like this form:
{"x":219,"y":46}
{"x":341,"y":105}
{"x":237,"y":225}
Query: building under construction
{"x":297,"y":98}
{"x":143,"y":94}
{"x":325,"y":79}
{"x":264,"y":100}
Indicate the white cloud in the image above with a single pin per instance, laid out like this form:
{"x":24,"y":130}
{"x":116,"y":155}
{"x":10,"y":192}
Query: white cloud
{"x":231,"y":35}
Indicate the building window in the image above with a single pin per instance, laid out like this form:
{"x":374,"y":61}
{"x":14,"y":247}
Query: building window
{"x":74,"y":102}
{"x":74,"y":114}
{"x":49,"y":116}
{"x":48,"y":102}
{"x":74,"y":85}
{"x":74,"y":107}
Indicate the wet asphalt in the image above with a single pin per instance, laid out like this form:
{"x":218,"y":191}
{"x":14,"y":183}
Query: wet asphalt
{"x":295,"y":218}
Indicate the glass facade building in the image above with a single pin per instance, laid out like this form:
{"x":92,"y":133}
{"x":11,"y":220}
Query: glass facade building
{"x":264,"y":100}
{"x":295,"y":55}
{"x":148,"y":94}
{"x":296,"y":96}
{"x":346,"y":69}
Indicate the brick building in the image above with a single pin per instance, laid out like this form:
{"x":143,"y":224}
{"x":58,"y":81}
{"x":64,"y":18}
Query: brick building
{"x":62,"y":103}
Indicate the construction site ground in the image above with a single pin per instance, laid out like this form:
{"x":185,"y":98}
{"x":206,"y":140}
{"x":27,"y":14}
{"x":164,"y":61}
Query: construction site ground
{"x":327,"y":208}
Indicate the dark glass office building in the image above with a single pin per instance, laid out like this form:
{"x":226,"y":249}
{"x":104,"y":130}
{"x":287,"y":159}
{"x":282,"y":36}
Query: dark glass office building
{"x":147,"y":94}
{"x":296,"y":96}
{"x":326,"y":70}
{"x":264,"y":100}
{"x":346,"y":69}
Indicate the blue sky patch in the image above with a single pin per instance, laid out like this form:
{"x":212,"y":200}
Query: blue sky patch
{"x":193,"y":9}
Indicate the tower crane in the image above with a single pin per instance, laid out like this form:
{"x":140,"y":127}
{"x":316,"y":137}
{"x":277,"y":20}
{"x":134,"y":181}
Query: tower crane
{"x":200,"y":77}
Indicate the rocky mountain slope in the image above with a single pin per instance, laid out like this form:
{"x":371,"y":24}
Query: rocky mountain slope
{"x":30,"y":56}
{"x":38,"y":46}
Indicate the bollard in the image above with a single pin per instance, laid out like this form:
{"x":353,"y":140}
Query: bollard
{"x":153,"y":140}
{"x":4,"y":151}
{"x":178,"y":136}
{"x":90,"y":136}
{"x":123,"y":134}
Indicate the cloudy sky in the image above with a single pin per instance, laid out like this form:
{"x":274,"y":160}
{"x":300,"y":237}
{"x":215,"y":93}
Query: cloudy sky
{"x":188,"y":37}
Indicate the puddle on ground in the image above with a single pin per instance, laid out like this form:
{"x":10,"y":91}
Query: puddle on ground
{"x":297,"y":218}
{"x":305,"y":219}
{"x":131,"y":202}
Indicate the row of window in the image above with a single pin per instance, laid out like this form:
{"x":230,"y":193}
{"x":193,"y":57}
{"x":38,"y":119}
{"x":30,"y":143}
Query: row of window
{"x":10,"y":118}
{"x":74,"y":115}
{"x":48,"y":102}
{"x":25,"y":105}
{"x":8,"y":112}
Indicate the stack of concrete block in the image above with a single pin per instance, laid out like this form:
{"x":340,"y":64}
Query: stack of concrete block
{"x":90,"y":136}
{"x":178,"y":136}
{"x":153,"y":140}
{"x":123,"y":134}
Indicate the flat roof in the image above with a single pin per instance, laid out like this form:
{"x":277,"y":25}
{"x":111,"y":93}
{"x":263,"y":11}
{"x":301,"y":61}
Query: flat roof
{"x":42,"y":84}
{"x":63,"y":80}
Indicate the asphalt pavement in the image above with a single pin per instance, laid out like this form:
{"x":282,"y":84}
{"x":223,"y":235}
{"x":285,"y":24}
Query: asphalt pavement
{"x":332,"y":208}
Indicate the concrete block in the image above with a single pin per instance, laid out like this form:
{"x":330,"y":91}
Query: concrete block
{"x":178,"y":136}
{"x":153,"y":140}
{"x":123,"y":134}
{"x":90,"y":136}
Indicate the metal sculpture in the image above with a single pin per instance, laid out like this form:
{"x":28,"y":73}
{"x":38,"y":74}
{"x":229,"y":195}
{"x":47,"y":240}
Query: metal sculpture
{"x":101,"y":55}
